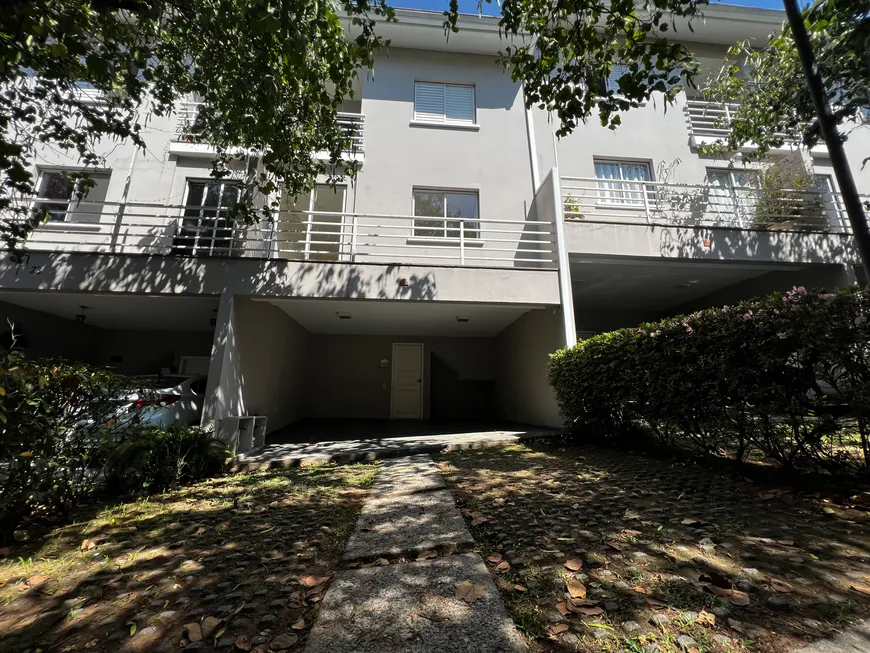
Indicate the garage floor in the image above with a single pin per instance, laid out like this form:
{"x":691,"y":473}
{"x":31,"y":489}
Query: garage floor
{"x":320,"y":430}
{"x":346,"y":440}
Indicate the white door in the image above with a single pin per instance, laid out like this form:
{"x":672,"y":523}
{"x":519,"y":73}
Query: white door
{"x":407,"y":382}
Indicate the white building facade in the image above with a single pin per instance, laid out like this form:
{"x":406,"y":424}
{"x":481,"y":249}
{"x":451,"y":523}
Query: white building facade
{"x":433,"y":286}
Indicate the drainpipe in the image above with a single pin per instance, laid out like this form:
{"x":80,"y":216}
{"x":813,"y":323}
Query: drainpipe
{"x":533,"y":149}
{"x":566,"y":294}
{"x":126,"y":192}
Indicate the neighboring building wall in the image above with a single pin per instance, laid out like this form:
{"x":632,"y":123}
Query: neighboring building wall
{"x":49,"y":336}
{"x":816,"y":277}
{"x":523,"y":393}
{"x":346,"y":380}
{"x":590,"y":322}
{"x":147,"y":352}
{"x":274,"y":356}
{"x":857,"y":148}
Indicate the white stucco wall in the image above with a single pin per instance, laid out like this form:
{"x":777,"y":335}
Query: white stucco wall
{"x":274,"y":359}
{"x":493,"y":161}
{"x":522,"y":354}
{"x":272,"y":278}
{"x":345,"y":378}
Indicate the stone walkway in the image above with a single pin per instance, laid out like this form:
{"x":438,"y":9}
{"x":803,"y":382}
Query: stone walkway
{"x":412,"y":607}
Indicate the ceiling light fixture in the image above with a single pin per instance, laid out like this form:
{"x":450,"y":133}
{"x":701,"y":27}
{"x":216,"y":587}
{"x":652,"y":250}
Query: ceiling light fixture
{"x":343,"y":315}
{"x":463,"y":318}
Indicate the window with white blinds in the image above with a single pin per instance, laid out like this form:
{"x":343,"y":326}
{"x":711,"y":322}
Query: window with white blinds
{"x":617,"y":70}
{"x":450,"y":104}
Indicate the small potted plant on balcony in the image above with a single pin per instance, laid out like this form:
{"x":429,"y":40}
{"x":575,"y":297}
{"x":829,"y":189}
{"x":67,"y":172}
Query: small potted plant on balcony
{"x":787,"y":199}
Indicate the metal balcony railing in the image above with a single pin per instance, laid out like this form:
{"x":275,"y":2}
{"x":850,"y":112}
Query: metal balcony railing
{"x":639,"y":202}
{"x":709,"y":121}
{"x":352,"y":123}
{"x":177,"y":230}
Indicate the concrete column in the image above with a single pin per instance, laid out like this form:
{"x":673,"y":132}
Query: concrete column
{"x":224,"y":390}
{"x":566,"y":293}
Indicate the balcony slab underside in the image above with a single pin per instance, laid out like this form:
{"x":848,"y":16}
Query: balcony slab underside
{"x":707,"y":243}
{"x":156,"y":275}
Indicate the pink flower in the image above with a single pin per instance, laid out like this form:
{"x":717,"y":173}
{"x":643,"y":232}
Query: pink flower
{"x":860,"y":320}
{"x":689,"y":328}
{"x":827,"y":296}
{"x":747,"y":316}
{"x":811,"y":394}
{"x":782,"y":335}
{"x":655,"y":334}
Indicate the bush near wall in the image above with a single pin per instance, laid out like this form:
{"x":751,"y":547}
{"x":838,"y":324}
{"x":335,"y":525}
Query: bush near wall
{"x":786,"y":377}
{"x":61,"y":443}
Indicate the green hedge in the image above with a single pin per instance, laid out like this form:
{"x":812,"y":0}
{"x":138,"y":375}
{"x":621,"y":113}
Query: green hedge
{"x":785,"y":376}
{"x":62,"y":444}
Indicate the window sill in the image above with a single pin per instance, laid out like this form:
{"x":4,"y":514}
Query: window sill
{"x":445,"y":125}
{"x":440,"y":242}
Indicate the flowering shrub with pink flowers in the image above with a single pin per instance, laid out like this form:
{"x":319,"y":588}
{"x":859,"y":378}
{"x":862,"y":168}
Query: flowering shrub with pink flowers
{"x":784,"y":377}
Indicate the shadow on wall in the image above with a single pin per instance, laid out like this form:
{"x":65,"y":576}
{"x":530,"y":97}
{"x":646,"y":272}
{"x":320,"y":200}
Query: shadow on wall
{"x":214,"y":276}
{"x":453,"y":397}
{"x":731,"y":244}
{"x":233,"y":337}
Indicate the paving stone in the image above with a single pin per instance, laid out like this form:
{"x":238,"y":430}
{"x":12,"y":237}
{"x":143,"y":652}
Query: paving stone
{"x":395,"y":525}
{"x":685,"y":642}
{"x":855,"y":639}
{"x":659,"y":619}
{"x":630,"y":626}
{"x":411,"y":608}
{"x":408,"y":475}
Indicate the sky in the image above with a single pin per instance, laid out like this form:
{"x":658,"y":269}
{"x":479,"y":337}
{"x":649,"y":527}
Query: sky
{"x":470,"y":6}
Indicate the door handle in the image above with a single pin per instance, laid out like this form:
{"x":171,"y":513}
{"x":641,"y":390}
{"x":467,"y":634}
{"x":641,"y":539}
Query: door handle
{"x":419,"y":380}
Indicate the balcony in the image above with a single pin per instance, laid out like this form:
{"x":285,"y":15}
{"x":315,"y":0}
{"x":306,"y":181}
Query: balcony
{"x":186,"y":142}
{"x":195,"y":231}
{"x":708,"y":123}
{"x":647,"y":202}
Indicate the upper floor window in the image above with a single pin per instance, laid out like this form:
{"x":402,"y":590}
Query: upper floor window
{"x":449,"y":104}
{"x":611,"y":82}
{"x":734,"y":193}
{"x":72,"y":203}
{"x":620,"y":181}
{"x":438,"y":212}
{"x":206,"y":228}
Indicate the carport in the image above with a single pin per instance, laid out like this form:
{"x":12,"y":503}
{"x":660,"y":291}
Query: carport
{"x":135,"y":334}
{"x":327,"y":370}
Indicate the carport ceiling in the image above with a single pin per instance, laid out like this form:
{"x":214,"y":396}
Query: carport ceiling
{"x":653,"y":285}
{"x":133,"y":312}
{"x":399,"y":318}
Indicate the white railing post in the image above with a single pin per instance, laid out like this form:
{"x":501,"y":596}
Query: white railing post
{"x":643,"y":189}
{"x":461,"y":241}
{"x":353,"y":237}
{"x":116,"y":231}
